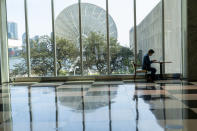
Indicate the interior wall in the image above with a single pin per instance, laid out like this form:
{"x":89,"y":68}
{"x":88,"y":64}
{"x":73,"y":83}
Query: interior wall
{"x":3,"y":43}
{"x":192,"y":39}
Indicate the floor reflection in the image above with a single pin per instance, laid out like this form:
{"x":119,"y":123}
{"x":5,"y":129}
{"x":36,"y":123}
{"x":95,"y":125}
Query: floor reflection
{"x":98,"y":107}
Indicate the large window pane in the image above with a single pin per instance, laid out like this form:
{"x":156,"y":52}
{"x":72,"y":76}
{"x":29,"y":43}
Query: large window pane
{"x":173,"y":35}
{"x":149,"y":29}
{"x":67,"y":37}
{"x":16,"y":38}
{"x":93,"y":14}
{"x":121,"y":33}
{"x":40,"y":30}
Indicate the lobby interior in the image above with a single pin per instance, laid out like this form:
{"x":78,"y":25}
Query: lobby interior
{"x":67,"y":66}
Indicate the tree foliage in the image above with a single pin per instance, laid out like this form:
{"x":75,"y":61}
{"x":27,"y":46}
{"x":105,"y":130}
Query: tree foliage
{"x":68,"y":56}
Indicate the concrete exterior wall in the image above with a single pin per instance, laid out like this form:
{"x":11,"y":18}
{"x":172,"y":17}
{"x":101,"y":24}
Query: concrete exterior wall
{"x":149,"y":35}
{"x":172,"y":11}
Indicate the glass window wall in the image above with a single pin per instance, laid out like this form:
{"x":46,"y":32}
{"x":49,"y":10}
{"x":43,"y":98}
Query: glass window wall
{"x":16,"y":38}
{"x":121,"y":35}
{"x":94,"y":37}
{"x":40,"y":31}
{"x":84,"y":35}
{"x":149,"y":30}
{"x":67,"y":37}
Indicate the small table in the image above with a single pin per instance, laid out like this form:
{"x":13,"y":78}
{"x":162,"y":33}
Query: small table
{"x":161,"y":67}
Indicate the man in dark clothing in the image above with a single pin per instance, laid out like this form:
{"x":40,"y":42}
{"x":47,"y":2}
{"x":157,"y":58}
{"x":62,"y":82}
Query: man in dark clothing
{"x":146,"y":65}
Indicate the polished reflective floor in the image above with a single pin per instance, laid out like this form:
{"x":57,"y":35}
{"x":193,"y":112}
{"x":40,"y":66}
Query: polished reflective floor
{"x":99,"y":106}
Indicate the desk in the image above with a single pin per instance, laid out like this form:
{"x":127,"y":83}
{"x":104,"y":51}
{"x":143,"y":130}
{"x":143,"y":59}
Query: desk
{"x":161,"y":67}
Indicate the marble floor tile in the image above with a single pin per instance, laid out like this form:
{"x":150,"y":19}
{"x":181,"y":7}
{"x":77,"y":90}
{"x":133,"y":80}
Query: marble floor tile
{"x":194,"y":109}
{"x":99,"y":106}
{"x":180,"y":87}
{"x":108,"y":83}
{"x":185,"y":96}
{"x":47,"y":84}
{"x":168,"y":104}
{"x":151,"y":92}
{"x":75,"y":86}
{"x":195,"y":83}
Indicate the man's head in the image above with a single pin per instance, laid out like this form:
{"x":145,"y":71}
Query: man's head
{"x":151,"y":52}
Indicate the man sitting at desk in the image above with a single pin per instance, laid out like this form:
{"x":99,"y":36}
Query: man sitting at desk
{"x":146,"y":65}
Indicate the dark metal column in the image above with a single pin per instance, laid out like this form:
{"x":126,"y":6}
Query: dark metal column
{"x":163,"y":36}
{"x":135,"y":31}
{"x":27,"y":40}
{"x":108,"y":40}
{"x":80,"y":38}
{"x":54,"y":38}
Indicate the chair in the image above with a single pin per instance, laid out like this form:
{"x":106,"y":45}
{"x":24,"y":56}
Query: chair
{"x":136,"y":70}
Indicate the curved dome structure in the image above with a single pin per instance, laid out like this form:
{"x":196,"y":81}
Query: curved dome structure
{"x":93,"y":20}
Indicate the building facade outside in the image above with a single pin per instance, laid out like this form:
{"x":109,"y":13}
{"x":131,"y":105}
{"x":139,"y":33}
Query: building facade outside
{"x":14,"y":43}
{"x":149,"y":36}
{"x":12,"y":30}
